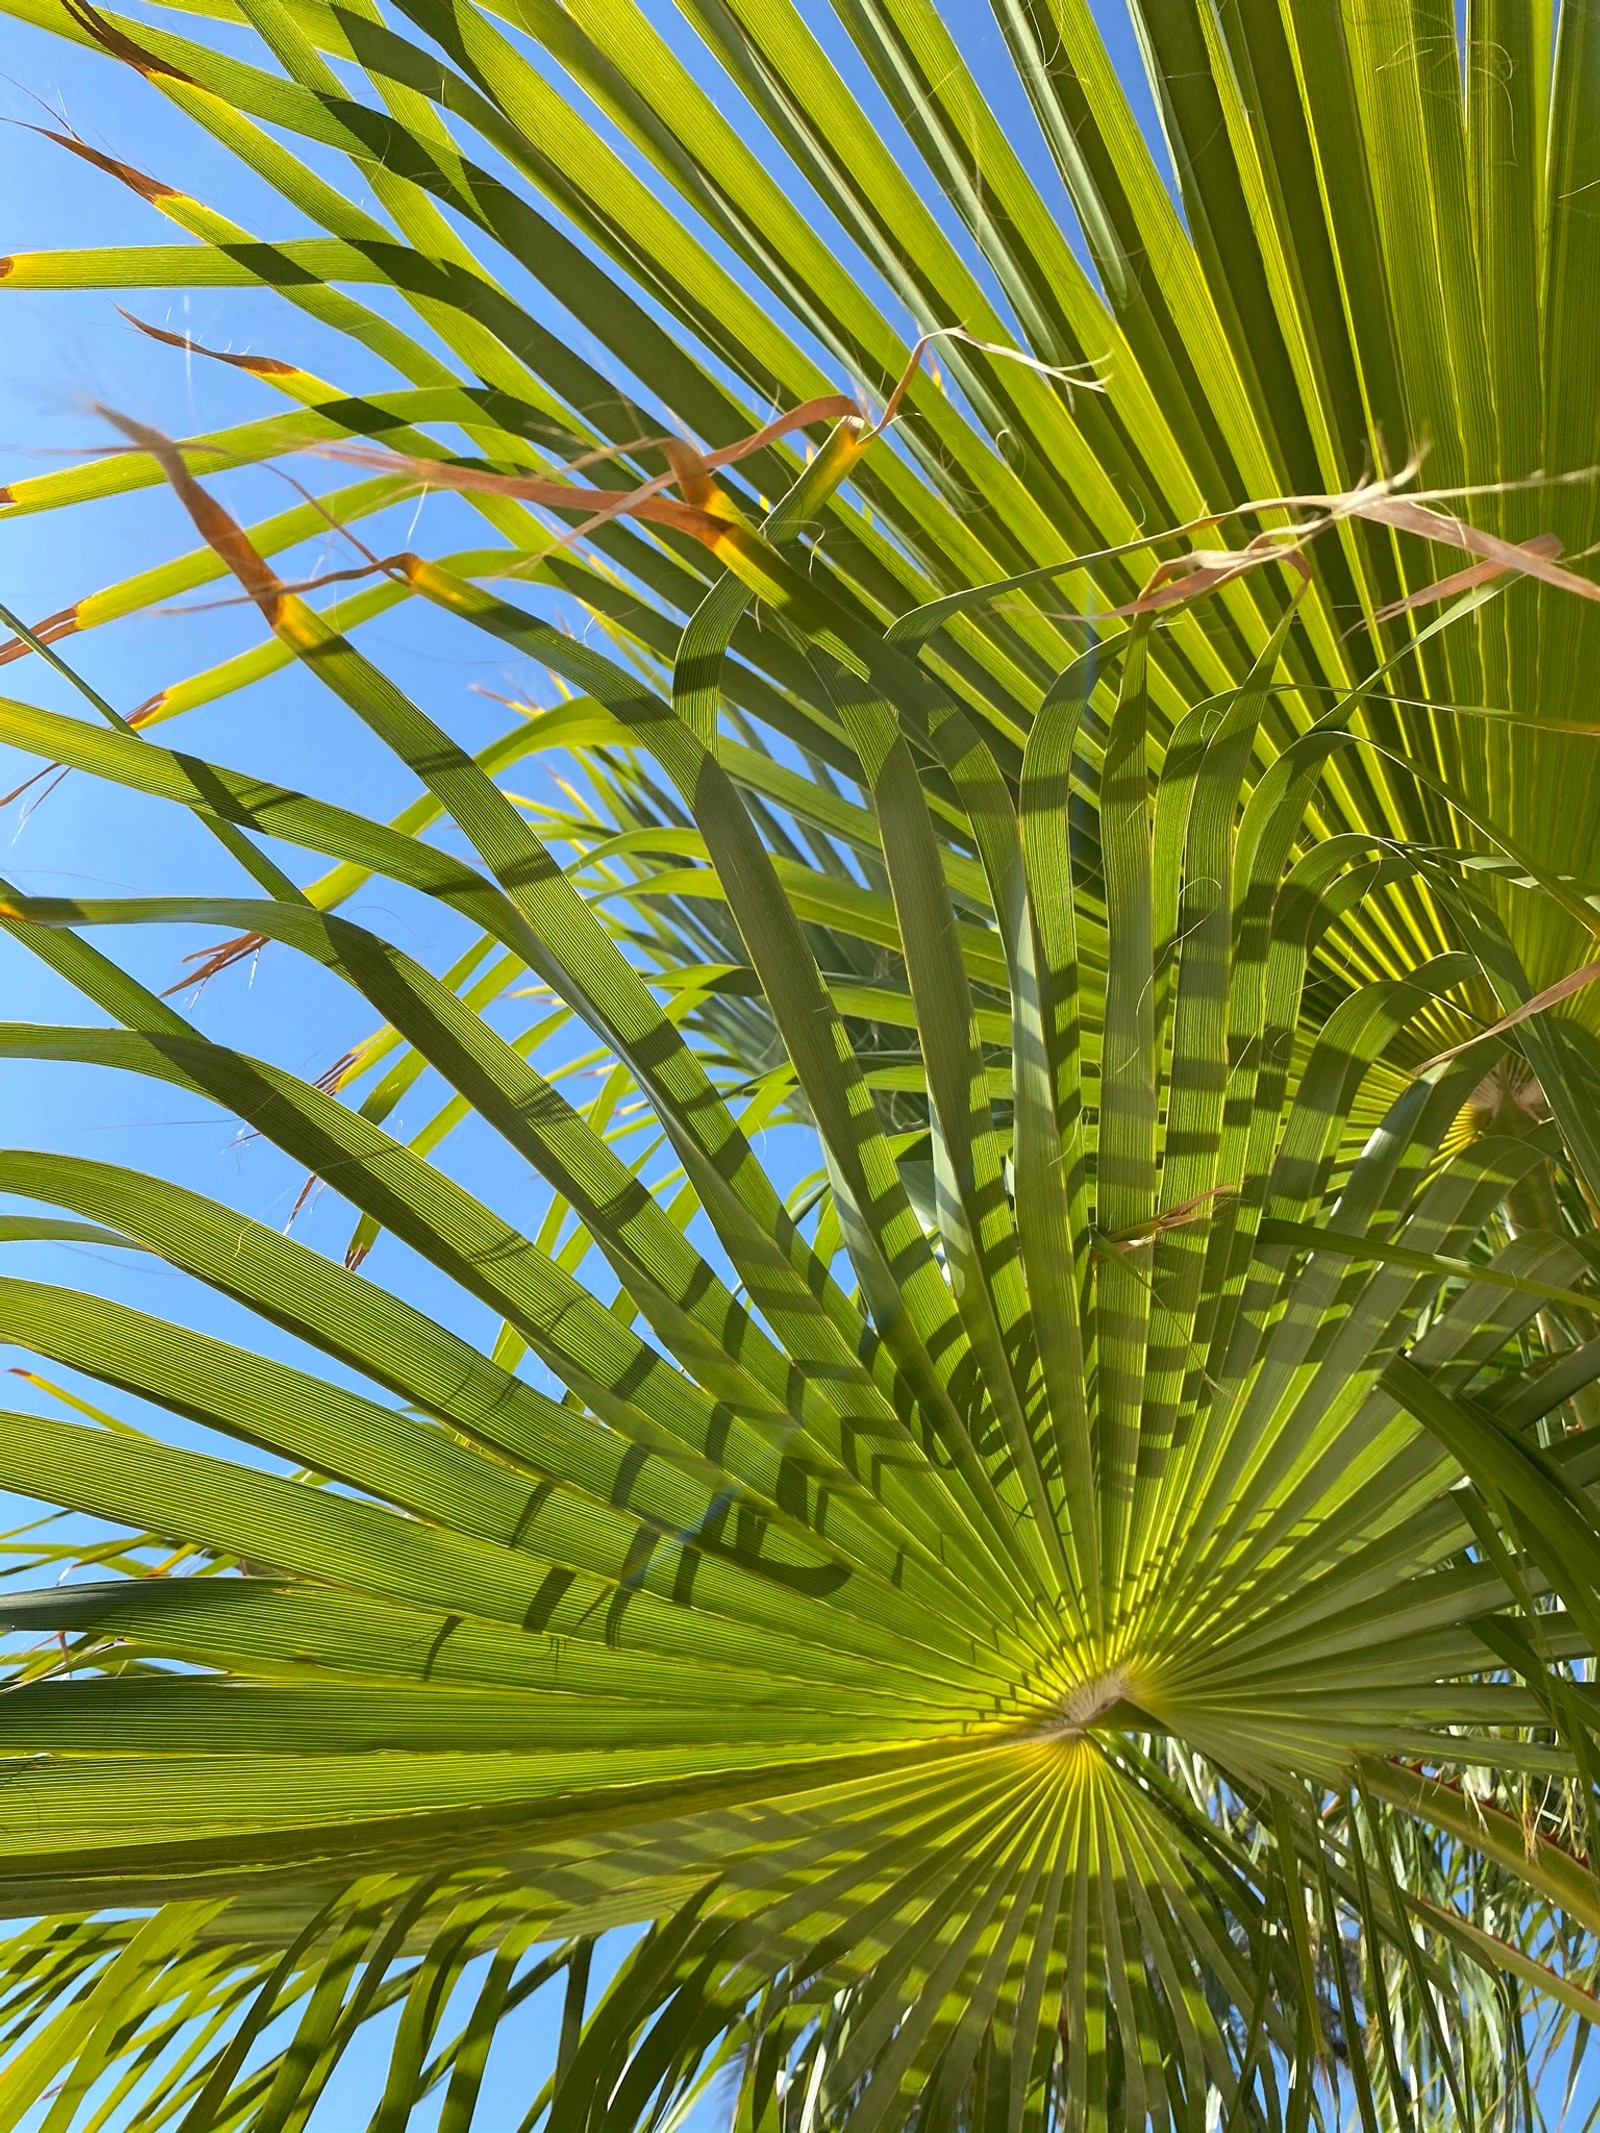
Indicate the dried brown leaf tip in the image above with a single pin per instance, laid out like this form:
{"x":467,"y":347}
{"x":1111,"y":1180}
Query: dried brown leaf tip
{"x":1562,"y":989}
{"x":120,"y":45}
{"x":332,"y":1079}
{"x":1186,"y":577}
{"x":61,"y":624}
{"x":258,"y":365}
{"x":699,"y":510}
{"x":229,"y":540}
{"x":1460,"y":581}
{"x":301,"y":1198}
{"x":28,"y":784}
{"x":211,"y":962}
{"x":154,"y":190}
{"x":217,"y":527}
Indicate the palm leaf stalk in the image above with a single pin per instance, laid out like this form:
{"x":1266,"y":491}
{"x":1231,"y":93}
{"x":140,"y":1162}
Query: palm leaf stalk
{"x":1121,"y":1545}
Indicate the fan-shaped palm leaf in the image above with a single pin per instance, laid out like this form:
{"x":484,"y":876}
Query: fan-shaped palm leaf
{"x":1041,"y":1646}
{"x":1014,"y":1599}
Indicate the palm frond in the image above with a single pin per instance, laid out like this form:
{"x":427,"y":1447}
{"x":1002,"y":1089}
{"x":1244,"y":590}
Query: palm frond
{"x":1082,"y":1612}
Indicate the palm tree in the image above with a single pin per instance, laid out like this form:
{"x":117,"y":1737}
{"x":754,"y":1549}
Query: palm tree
{"x":1080,"y":1614}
